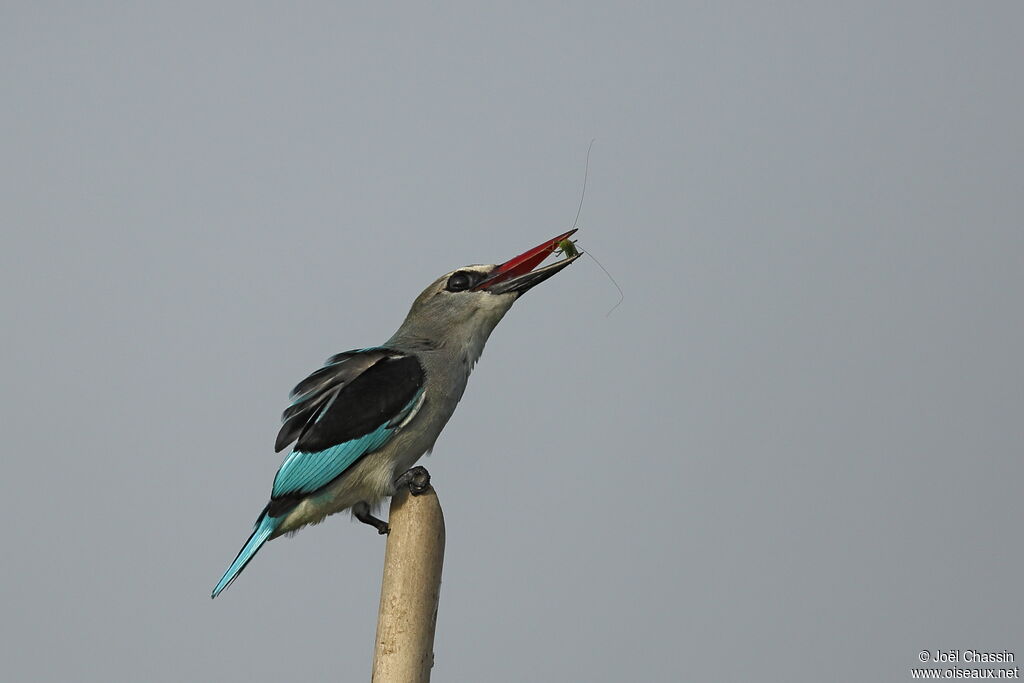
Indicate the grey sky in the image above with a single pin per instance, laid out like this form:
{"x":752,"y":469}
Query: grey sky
{"x":792,"y":454}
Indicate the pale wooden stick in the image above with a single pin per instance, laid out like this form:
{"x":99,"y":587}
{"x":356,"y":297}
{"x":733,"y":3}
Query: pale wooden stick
{"x":410,"y":589}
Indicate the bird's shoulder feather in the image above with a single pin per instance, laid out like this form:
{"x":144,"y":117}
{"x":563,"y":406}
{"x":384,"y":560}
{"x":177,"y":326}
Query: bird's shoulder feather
{"x":348,"y":397}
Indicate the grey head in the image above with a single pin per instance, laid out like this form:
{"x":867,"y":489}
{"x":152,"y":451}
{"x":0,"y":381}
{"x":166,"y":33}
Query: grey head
{"x":461,"y":308}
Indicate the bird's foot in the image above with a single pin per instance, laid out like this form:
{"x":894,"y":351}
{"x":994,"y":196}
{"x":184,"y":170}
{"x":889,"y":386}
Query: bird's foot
{"x":362,"y":513}
{"x":417,"y":479}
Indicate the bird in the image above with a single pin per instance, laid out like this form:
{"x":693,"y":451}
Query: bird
{"x":359,"y":424}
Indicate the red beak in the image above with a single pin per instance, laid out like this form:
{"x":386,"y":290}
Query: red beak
{"x":525,"y":262}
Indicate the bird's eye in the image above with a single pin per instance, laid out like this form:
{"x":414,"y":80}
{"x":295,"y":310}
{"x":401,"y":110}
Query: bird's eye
{"x":458,"y":282}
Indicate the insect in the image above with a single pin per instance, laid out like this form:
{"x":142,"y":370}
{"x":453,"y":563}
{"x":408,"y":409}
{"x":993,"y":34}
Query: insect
{"x":567,"y":247}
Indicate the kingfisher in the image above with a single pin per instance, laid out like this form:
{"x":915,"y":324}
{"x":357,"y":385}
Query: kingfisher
{"x":360,"y":423}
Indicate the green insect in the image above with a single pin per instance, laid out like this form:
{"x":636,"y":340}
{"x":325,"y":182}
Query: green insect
{"x":567,"y":248}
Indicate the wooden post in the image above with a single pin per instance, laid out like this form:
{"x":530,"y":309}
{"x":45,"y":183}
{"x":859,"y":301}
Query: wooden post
{"x":409,"y":591}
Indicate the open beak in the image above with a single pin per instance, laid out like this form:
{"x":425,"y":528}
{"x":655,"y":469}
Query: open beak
{"x":518,"y":274}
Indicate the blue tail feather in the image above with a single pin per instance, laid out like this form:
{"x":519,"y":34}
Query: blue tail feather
{"x":260,"y":535}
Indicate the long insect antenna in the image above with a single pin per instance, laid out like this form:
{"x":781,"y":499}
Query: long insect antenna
{"x":586,"y":174}
{"x":622,"y":297}
{"x":567,"y":246}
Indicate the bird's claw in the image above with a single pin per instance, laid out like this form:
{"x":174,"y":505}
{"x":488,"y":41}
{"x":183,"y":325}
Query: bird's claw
{"x":416,"y":479}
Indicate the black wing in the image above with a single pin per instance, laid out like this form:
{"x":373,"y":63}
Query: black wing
{"x":349,"y":397}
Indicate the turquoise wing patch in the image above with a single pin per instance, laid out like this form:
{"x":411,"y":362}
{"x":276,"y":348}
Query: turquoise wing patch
{"x":306,"y":472}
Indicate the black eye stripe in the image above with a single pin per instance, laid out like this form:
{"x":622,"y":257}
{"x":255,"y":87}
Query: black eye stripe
{"x":460,"y":281}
